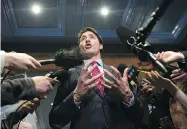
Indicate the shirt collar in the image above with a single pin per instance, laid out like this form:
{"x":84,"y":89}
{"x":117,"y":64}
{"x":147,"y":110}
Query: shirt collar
{"x":99,"y":61}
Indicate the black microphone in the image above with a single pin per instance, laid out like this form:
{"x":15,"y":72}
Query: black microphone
{"x":121,"y":68}
{"x":61,"y":75}
{"x":125,"y":34}
{"x":143,"y":53}
{"x":66,"y":58}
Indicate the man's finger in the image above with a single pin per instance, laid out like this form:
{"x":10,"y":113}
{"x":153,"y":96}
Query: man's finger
{"x":90,"y":71}
{"x":112,"y":76}
{"x":125,"y":74}
{"x":89,"y":81}
{"x":93,"y":85}
{"x":116,"y":71}
{"x":108,"y":81}
{"x":105,"y":85}
{"x":87,"y":65}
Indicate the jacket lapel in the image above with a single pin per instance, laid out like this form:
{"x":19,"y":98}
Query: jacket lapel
{"x":107,"y":77}
{"x":79,"y":69}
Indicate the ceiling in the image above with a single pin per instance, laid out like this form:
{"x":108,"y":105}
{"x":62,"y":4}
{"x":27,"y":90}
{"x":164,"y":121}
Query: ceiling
{"x":59,"y":22}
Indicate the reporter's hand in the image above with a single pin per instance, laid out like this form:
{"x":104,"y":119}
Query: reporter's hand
{"x":85,"y":83}
{"x":28,"y":106}
{"x":178,"y":75}
{"x":169,"y":56}
{"x":20,"y":61}
{"x":158,"y":81}
{"x":24,"y":125}
{"x":44,"y":85}
{"x":147,"y":88}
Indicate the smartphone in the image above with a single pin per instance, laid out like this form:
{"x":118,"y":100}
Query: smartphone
{"x":133,"y":72}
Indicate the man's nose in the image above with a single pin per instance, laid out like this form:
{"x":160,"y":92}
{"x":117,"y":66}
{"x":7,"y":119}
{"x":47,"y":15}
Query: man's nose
{"x":87,"y":40}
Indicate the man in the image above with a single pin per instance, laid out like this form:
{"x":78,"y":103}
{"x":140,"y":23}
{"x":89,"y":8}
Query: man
{"x":93,"y":99}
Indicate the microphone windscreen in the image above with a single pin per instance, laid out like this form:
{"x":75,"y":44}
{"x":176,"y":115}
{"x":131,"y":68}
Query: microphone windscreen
{"x":124,"y":33}
{"x":68,"y":58}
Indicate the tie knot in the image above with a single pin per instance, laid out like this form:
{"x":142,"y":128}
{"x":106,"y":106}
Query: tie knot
{"x":94,"y":62}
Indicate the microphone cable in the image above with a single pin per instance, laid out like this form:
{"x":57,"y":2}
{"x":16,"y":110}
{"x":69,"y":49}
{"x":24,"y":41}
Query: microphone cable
{"x":4,"y":77}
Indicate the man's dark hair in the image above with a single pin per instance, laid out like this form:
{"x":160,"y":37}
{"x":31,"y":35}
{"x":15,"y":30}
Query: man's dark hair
{"x":91,"y":30}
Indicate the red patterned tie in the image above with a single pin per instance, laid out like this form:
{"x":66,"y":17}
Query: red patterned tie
{"x":95,"y":72}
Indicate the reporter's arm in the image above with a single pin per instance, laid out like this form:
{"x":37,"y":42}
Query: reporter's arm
{"x":179,"y":95}
{"x":17,"y":89}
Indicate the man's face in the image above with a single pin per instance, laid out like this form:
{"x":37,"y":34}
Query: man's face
{"x":89,"y":44}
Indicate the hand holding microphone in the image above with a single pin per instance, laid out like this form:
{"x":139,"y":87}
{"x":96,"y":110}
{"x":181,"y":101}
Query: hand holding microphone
{"x":43,"y":85}
{"x":169,"y":56}
{"x":20,"y":61}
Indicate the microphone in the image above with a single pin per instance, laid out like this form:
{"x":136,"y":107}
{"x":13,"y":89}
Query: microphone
{"x":126,"y":37}
{"x":138,"y":45}
{"x":66,"y":58}
{"x":144,"y":53}
{"x":61,"y":75}
{"x":121,"y":68}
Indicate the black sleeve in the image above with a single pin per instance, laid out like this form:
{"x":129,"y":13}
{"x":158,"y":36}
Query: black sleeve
{"x":135,"y":113}
{"x":63,"y":106}
{"x":17,"y":89}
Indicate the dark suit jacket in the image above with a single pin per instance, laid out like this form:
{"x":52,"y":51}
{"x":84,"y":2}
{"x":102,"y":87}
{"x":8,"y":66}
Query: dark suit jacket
{"x":95,"y":112}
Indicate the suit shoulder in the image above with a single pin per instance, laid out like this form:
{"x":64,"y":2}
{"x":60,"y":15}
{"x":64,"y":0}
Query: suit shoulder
{"x":71,"y":70}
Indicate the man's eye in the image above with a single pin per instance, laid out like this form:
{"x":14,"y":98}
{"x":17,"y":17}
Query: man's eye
{"x":82,"y":39}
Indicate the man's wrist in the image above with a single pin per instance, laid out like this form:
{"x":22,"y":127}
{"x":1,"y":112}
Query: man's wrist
{"x":76,"y":97}
{"x":128,"y":102}
{"x":127,"y":99}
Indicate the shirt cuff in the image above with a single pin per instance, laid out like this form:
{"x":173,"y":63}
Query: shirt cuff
{"x":130,"y":103}
{"x":77,"y":104}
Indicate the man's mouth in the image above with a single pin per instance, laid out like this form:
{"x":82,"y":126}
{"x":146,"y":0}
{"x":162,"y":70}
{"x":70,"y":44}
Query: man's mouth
{"x":88,"y":46}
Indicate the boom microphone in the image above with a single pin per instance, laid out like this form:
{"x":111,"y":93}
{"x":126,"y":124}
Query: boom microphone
{"x":66,"y":58}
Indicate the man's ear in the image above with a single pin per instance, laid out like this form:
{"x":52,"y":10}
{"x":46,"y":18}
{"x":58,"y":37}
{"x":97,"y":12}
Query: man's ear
{"x":101,"y":46}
